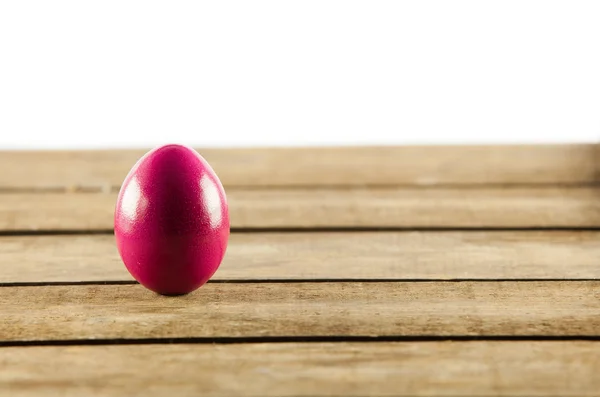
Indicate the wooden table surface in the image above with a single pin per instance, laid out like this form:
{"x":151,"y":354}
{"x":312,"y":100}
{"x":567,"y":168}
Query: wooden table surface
{"x":396,"y":271}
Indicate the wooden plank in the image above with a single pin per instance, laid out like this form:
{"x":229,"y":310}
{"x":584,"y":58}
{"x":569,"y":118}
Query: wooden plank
{"x":308,"y":369}
{"x":335,"y":208}
{"x":565,"y":308}
{"x":325,"y":166}
{"x":328,"y":255}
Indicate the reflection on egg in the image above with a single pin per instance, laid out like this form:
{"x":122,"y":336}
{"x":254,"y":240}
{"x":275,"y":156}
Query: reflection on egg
{"x":172,"y":220}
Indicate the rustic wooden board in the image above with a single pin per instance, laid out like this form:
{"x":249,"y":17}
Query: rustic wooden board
{"x":315,"y":369}
{"x":328,"y":255}
{"x":294,"y":286}
{"x":335,"y":166}
{"x":565,"y":308}
{"x":335,"y":208}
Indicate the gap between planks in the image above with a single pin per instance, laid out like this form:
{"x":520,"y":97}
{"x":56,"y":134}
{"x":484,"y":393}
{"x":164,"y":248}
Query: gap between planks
{"x":322,"y":166}
{"x":341,"y":369}
{"x":564,"y":309}
{"x":491,"y":255}
{"x":335,"y":208}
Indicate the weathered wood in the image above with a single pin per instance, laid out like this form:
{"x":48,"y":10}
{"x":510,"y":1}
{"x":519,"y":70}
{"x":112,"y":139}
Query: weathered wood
{"x":337,"y":208}
{"x":402,"y":187}
{"x":309,"y":369}
{"x":565,"y":308}
{"x":328,"y":255}
{"x":325,"y":166}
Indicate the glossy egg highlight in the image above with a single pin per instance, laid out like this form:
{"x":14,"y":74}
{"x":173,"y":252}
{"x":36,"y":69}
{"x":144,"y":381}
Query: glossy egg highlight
{"x":172,"y":220}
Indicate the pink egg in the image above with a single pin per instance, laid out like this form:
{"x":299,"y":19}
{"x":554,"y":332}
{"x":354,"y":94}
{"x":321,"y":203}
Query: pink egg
{"x":172,"y":220}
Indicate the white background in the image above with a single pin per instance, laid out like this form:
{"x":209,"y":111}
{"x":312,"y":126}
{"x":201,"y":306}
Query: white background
{"x":140,"y":73}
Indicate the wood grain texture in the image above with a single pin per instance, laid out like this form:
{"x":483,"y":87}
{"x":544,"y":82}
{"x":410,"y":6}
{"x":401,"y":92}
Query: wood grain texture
{"x":325,"y":166}
{"x":335,"y":208}
{"x":310,"y":369}
{"x":328,"y":255}
{"x":548,"y":186}
{"x":565,"y":308}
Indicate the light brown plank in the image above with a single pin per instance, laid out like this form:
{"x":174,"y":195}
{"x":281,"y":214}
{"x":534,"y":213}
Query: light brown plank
{"x":337,"y":208}
{"x":328,"y":255}
{"x":302,"y":309}
{"x":314,"y":369}
{"x":341,"y":166}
